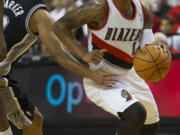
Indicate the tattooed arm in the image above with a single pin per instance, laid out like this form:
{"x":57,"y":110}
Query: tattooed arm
{"x":92,"y":13}
{"x":2,"y":40}
{"x":41,"y":22}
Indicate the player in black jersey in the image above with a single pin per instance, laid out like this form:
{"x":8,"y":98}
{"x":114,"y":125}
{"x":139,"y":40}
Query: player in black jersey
{"x":24,"y":22}
{"x":3,"y":121}
{"x":2,"y":40}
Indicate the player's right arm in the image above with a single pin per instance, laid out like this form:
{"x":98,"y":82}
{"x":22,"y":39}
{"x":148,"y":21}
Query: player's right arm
{"x":42,"y":22}
{"x":2,"y":40}
{"x":92,"y":13}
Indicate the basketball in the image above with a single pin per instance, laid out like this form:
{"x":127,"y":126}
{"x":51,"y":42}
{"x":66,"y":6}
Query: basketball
{"x":151,"y":63}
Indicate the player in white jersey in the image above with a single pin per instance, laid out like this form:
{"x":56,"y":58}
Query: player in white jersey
{"x":120,"y":27}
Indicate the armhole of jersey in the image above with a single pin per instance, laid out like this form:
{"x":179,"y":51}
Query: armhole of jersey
{"x":144,"y":13}
{"x":29,"y":17}
{"x":107,"y":17}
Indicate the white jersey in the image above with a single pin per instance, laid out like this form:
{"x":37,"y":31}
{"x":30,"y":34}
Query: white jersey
{"x":119,"y":35}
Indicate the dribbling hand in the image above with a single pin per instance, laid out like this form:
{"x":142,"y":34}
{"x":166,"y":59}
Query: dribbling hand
{"x":164,"y":47}
{"x":94,"y":56}
{"x":104,"y":78}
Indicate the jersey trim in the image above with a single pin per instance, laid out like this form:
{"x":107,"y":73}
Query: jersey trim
{"x":111,"y":50}
{"x":114,"y":60}
{"x":144,"y":13}
{"x":123,"y":15}
{"x":16,"y":51}
{"x":106,"y":20}
{"x":29,"y":17}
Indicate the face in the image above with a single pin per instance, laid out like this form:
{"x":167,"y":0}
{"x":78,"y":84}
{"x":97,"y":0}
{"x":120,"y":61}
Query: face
{"x":166,"y":27}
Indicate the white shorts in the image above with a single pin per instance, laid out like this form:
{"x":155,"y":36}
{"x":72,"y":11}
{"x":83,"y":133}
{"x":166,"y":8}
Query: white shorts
{"x":129,"y":90}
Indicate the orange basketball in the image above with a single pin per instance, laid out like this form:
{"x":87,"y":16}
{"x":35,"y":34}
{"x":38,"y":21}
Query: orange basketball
{"x":151,"y":63}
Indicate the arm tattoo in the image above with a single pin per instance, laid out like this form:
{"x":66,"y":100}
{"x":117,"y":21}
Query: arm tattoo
{"x":90,"y":13}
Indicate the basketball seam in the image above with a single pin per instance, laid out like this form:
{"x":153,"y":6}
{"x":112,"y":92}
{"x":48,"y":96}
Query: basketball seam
{"x":158,"y":54}
{"x":146,"y":60}
{"x":154,"y":65}
{"x":154,"y":61}
{"x":152,"y":75}
{"x":155,"y":72}
{"x":164,"y":68}
{"x":143,"y":60}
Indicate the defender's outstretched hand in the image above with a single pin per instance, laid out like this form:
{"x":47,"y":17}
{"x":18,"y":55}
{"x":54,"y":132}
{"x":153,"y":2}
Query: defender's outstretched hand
{"x":104,"y":78}
{"x":94,"y":56}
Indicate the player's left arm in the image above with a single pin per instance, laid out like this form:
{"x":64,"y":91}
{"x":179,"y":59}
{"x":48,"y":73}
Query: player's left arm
{"x":147,"y":35}
{"x":2,"y":40}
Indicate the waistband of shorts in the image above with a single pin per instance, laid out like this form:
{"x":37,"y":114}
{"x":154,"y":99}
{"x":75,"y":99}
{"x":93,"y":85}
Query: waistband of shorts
{"x":104,"y":64}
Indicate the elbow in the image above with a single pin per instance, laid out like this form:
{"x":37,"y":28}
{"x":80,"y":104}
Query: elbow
{"x":60,"y":58}
{"x":55,"y":27}
{"x":58,"y":27}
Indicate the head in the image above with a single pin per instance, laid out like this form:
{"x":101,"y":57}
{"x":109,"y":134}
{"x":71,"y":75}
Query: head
{"x":166,"y":25}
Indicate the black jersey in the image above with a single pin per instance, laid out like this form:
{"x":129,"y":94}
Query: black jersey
{"x":18,"y":36}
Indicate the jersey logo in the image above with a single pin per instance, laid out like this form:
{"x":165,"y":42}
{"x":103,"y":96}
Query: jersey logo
{"x":125,"y":94}
{"x":122,"y":34}
{"x":16,"y":8}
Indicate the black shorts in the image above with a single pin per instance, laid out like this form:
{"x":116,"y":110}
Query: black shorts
{"x":19,"y":109}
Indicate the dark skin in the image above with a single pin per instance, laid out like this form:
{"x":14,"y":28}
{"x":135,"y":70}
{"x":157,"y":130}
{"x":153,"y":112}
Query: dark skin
{"x":2,"y":40}
{"x":41,"y":22}
{"x":3,"y":121}
{"x":93,"y":13}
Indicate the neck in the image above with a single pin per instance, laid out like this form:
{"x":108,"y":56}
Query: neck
{"x":125,"y":6}
{"x":124,"y":3}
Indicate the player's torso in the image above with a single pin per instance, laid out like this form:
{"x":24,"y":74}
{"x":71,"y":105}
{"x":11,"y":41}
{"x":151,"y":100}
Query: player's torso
{"x":119,"y":35}
{"x":18,"y":36}
{"x":16,"y":19}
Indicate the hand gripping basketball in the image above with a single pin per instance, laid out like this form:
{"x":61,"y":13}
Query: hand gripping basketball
{"x":152,"y":63}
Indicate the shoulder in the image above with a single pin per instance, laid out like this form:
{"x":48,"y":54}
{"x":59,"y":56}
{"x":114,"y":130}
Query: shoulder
{"x":93,"y":5}
{"x":148,"y":13}
{"x":40,"y":18}
{"x":91,"y":12}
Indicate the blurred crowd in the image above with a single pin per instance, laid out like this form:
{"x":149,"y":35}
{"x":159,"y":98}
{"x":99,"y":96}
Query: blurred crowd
{"x":166,"y":28}
{"x":166,"y":24}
